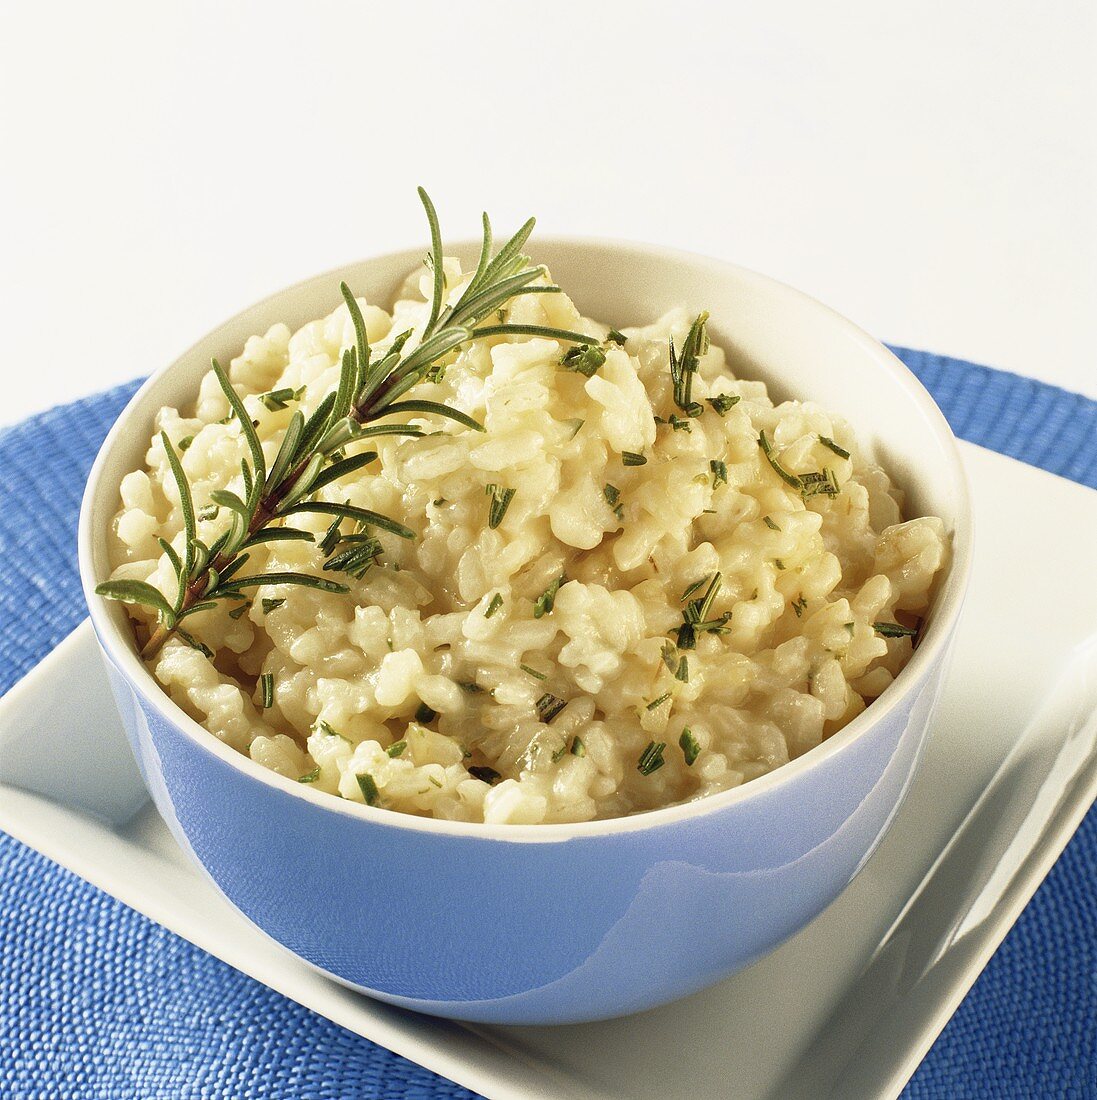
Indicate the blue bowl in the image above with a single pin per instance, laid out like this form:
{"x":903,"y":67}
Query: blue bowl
{"x":556,"y":923}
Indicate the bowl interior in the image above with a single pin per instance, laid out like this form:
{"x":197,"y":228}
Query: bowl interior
{"x":797,"y":346}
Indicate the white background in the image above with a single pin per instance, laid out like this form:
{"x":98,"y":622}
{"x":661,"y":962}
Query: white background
{"x":928,"y":169}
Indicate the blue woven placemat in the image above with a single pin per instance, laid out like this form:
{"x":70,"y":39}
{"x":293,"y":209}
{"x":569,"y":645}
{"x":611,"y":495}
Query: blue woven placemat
{"x":97,"y":1001}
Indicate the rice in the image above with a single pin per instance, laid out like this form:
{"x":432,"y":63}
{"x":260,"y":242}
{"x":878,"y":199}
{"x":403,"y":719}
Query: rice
{"x":536,"y":671}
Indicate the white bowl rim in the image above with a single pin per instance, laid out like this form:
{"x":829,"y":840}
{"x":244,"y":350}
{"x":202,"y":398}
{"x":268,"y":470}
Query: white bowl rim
{"x":949,"y":600}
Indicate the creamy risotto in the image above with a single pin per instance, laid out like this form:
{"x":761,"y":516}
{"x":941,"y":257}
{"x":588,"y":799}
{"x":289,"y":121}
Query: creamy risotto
{"x":608,"y":606}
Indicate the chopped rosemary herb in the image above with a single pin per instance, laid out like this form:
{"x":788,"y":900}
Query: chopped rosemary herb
{"x":185,"y":442}
{"x":779,"y":563}
{"x":437,"y":782}
{"x":695,"y":615}
{"x":827,"y":442}
{"x":679,"y":424}
{"x":310,"y":777}
{"x":533,"y":672}
{"x":560,"y":753}
{"x":895,"y":630}
{"x":266,"y":688}
{"x":651,"y":759}
{"x":690,"y":589}
{"x":656,"y":703}
{"x":424,"y":714}
{"x":683,"y":671}
{"x":575,"y":424}
{"x":850,"y":627}
{"x":280,"y":399}
{"x":368,"y":787}
{"x":548,"y":707}
{"x":613,"y":497}
{"x":798,"y":605}
{"x":719,"y":472}
{"x":789,"y":479}
{"x":577,"y":746}
{"x":723,"y":402}
{"x":690,"y":746}
{"x":770,"y":524}
{"x":631,"y":458}
{"x":684,"y":366}
{"x":494,"y":605}
{"x":271,"y":603}
{"x":486,"y":775}
{"x":670,"y":656}
{"x":500,"y":502}
{"x":396,"y":749}
{"x":585,"y":359}
{"x":547,"y":600}
{"x":194,"y":643}
{"x":326,"y":729}
{"x":238,"y":612}
{"x":616,"y":337}
{"x":209,"y":512}
{"x":823,"y":482}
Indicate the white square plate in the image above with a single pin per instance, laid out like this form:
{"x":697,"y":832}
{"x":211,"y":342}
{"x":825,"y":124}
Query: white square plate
{"x":857,"y":997}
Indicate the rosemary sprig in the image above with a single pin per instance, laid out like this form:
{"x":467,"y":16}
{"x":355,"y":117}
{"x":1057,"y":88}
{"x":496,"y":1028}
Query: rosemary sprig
{"x":312,"y":456}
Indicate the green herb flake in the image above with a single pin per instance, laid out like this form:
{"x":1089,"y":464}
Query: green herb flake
{"x":585,"y":359}
{"x":895,"y":630}
{"x":679,"y":424}
{"x":271,"y":604}
{"x":470,"y":687}
{"x":723,"y":402}
{"x":840,"y":451}
{"x":533,"y":672}
{"x":651,"y":759}
{"x":209,"y":512}
{"x":326,"y":729}
{"x":770,"y":524}
{"x":185,"y":442}
{"x":544,"y":603}
{"x":435,"y":781}
{"x":310,"y":777}
{"x":690,"y":746}
{"x":682,"y":673}
{"x":719,"y":472}
{"x":266,"y":689}
{"x":850,"y":627}
{"x":613,"y":497}
{"x":194,"y":643}
{"x":656,"y":703}
{"x":789,"y":479}
{"x":239,"y":612}
{"x":368,"y":787}
{"x":615,"y":337}
{"x":397,"y":749}
{"x":631,"y":458}
{"x":485,"y":775}
{"x":690,"y":589}
{"x":779,"y":563}
{"x":425,"y":715}
{"x":670,"y":656}
{"x":494,"y":605}
{"x":276,"y":400}
{"x":577,"y":747}
{"x":575,"y":425}
{"x":500,"y":502}
{"x":548,"y":707}
{"x":799,"y":605}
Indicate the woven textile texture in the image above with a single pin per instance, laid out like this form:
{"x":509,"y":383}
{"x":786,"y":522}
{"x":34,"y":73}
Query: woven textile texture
{"x":96,"y":1001}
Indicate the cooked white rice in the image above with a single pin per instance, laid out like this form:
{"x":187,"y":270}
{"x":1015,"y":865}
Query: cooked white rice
{"x":449,"y":624}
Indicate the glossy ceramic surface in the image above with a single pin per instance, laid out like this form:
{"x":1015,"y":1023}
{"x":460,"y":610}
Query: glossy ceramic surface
{"x":543,"y":924}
